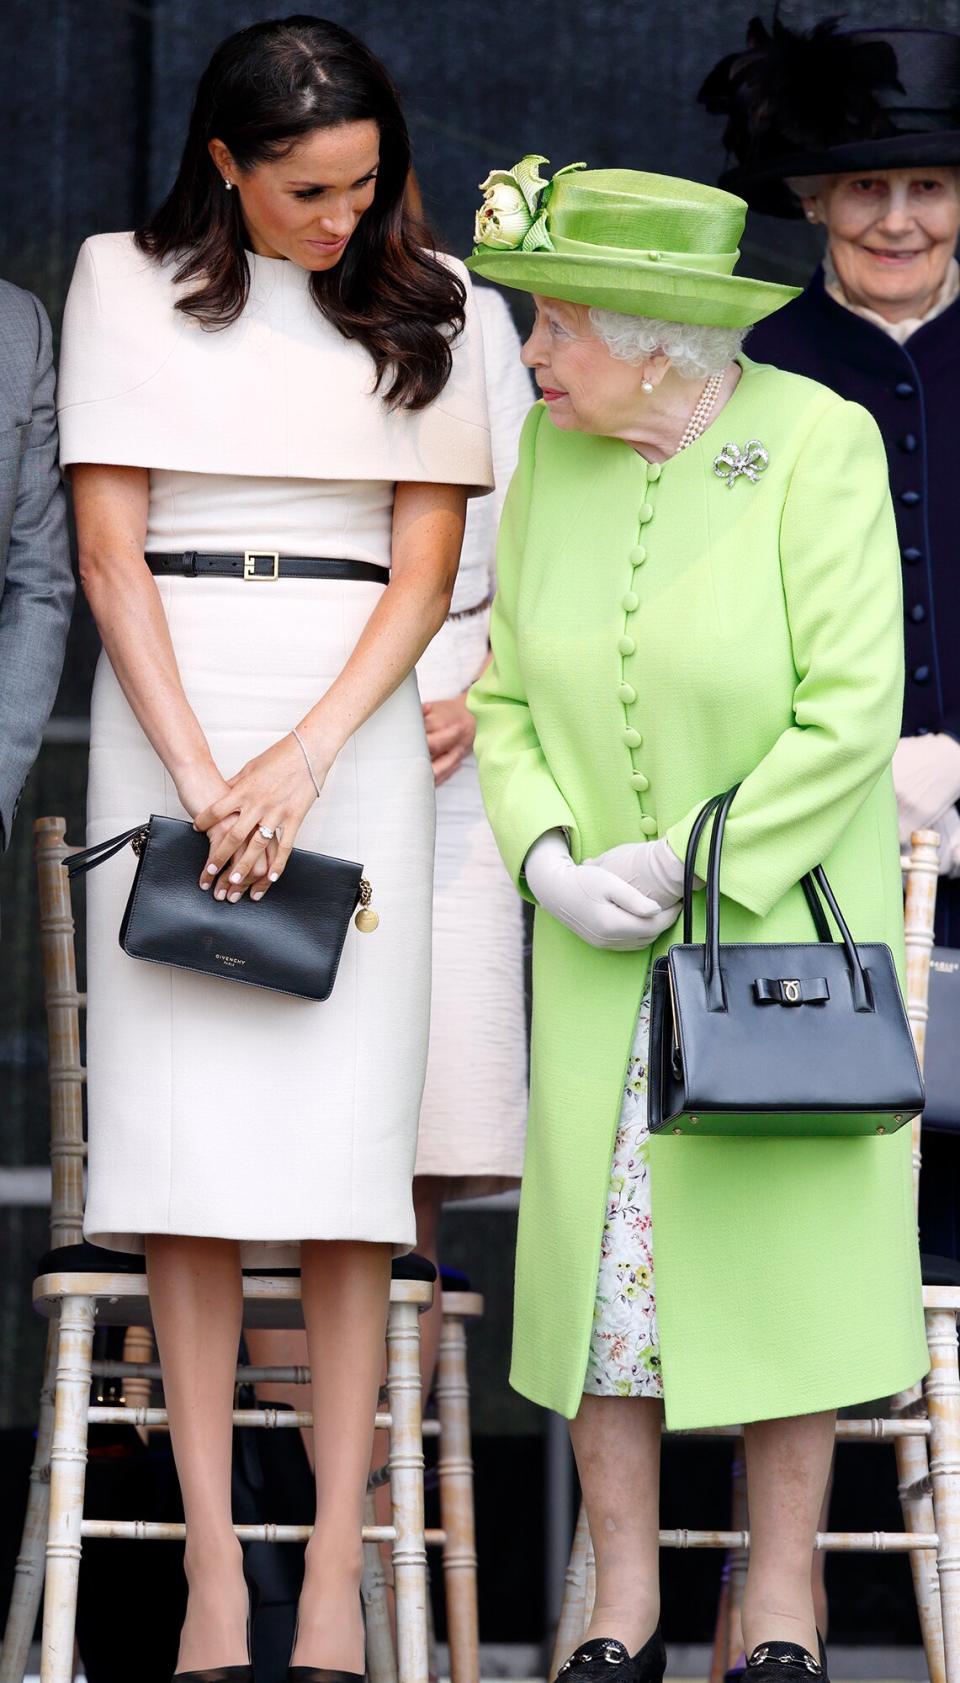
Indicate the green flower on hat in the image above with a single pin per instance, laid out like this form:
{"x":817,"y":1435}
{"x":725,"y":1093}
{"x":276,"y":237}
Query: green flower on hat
{"x":513,"y":215}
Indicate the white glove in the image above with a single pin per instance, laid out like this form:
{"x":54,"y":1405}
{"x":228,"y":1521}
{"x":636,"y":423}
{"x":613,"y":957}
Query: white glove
{"x":948,"y":825}
{"x":926,"y":776}
{"x":651,"y":866}
{"x":595,"y":903}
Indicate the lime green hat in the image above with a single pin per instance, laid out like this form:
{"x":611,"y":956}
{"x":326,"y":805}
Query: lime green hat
{"x":619,"y":239}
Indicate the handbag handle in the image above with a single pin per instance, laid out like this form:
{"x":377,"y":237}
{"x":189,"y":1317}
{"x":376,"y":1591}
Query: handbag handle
{"x":812,"y":882}
{"x":88,"y":857}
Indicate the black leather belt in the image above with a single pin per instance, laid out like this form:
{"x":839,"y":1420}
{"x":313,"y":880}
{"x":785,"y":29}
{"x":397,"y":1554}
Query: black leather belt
{"x":264,"y":565}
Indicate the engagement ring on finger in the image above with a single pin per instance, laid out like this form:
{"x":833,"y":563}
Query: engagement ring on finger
{"x":266,"y":832}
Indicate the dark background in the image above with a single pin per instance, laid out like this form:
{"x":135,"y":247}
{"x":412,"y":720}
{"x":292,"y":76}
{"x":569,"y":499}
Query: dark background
{"x":94,"y":96}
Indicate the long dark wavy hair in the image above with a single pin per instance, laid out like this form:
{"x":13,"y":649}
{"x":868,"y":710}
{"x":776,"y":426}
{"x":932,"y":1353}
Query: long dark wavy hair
{"x":263,"y":90}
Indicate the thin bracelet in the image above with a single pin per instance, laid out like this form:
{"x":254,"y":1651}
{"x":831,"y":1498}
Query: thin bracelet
{"x":303,"y":750}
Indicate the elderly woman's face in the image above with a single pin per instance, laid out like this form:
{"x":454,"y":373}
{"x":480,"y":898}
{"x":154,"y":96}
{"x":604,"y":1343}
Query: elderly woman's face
{"x":891,"y":235}
{"x":584,"y":387}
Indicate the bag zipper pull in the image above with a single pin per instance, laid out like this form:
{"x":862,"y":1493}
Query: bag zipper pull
{"x":366,"y":919}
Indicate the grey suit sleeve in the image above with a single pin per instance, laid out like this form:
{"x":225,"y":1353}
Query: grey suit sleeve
{"x":38,"y":591}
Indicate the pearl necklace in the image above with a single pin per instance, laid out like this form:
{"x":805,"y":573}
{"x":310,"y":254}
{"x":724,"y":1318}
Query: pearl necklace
{"x":702,"y":411}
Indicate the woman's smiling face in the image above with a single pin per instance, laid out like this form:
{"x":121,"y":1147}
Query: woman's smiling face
{"x":306,"y":204}
{"x":891,"y":235}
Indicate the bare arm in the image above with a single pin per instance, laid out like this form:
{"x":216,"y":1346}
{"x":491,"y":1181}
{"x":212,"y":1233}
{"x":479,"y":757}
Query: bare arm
{"x":111,"y":512}
{"x":275,"y":786}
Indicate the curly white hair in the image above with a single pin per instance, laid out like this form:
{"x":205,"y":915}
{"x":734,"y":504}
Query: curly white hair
{"x":694,"y":351}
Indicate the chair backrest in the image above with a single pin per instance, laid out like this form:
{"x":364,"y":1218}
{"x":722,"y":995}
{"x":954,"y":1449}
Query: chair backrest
{"x":63,"y":1003}
{"x":919,"y":908}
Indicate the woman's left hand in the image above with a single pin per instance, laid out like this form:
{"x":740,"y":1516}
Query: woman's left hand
{"x":450,"y":733}
{"x":275,"y":791}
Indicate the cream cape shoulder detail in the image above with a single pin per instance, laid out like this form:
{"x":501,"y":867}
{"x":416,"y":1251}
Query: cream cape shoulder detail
{"x":279,"y":393}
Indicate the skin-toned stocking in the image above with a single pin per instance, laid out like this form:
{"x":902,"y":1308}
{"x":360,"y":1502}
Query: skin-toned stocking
{"x":196,"y":1300}
{"x":616,"y":1441}
{"x":788,"y":1465}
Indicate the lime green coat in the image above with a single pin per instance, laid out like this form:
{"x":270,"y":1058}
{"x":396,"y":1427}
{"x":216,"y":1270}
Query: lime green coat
{"x":657,"y":637}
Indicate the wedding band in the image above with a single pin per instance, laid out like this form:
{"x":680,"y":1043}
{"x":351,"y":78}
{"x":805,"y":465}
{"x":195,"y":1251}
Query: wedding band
{"x":266,"y":832}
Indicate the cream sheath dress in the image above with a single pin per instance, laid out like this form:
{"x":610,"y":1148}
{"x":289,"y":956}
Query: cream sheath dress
{"x":473,"y":1118}
{"x":216,"y":1109}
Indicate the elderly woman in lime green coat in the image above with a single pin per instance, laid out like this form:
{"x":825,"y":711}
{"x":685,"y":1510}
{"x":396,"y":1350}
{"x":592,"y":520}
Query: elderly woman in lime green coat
{"x":669,"y":622}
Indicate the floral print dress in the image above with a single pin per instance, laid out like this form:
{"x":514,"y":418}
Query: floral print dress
{"x":624,"y":1356}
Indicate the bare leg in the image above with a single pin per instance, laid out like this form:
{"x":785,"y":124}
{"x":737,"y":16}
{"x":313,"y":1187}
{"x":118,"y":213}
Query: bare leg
{"x":788,"y":1465}
{"x":346,"y":1288}
{"x":196,"y":1300}
{"x":271,"y":1348}
{"x":616,"y":1441}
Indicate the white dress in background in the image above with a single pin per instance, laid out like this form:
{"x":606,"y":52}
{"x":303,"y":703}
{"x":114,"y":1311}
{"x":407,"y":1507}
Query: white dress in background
{"x":216,"y":1109}
{"x":473,"y":1118}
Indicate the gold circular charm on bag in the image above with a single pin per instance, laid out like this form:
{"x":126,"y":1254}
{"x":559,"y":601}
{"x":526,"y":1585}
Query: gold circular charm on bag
{"x":366,"y":919}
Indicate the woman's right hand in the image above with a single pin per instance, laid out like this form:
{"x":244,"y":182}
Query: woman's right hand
{"x":198,"y":788}
{"x":593,"y":902}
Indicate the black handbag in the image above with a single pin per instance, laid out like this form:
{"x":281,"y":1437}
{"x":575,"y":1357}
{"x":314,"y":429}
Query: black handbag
{"x":941,"y":1059}
{"x":291,"y":941}
{"x":807,"y":1040}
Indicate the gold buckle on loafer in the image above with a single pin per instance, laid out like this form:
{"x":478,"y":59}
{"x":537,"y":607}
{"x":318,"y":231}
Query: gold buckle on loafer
{"x":250,"y":559}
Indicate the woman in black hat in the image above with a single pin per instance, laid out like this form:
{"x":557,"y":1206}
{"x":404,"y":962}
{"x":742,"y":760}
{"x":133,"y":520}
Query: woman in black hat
{"x":860,"y":132}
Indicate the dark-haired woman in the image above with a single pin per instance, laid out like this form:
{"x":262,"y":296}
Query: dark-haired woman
{"x":276,"y":367}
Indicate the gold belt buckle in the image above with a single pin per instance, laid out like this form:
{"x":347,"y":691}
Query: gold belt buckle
{"x":250,"y":559}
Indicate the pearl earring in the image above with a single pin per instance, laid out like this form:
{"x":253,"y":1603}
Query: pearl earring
{"x":228,"y":185}
{"x":811,"y":216}
{"x":646,"y":386}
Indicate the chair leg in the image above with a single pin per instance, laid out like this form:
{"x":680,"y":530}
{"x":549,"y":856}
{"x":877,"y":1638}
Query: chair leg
{"x":912,"y":1466}
{"x":68,"y":1465}
{"x":573,"y":1612}
{"x":739,"y":1558}
{"x":406,"y":1492}
{"x":455,"y":1471}
{"x":381,"y":1659}
{"x":942,"y":1389}
{"x":28,"y":1572}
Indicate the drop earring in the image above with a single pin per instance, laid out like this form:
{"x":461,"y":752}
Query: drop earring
{"x":646,"y":386}
{"x":228,"y":185}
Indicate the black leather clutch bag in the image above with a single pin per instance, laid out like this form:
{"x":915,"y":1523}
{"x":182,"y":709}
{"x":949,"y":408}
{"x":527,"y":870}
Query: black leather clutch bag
{"x":809,"y":1039}
{"x":290,"y":941}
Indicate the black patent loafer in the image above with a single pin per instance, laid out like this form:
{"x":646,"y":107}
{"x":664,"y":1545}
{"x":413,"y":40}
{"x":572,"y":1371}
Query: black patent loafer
{"x":784,"y":1662}
{"x":604,"y":1660}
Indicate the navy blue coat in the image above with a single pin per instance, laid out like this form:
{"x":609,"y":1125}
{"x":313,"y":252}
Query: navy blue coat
{"x":911,"y":390}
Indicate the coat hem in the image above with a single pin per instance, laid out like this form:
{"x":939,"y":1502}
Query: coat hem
{"x":693,"y":1419}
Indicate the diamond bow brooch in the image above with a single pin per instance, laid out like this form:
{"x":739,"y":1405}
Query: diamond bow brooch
{"x":749,"y":462}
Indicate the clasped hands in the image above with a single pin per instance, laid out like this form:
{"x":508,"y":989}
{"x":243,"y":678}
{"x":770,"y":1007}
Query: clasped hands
{"x":273,"y":790}
{"x":623,"y":900}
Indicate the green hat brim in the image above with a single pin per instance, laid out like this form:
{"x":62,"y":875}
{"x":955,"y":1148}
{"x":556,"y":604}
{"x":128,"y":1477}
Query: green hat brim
{"x":634,"y":286}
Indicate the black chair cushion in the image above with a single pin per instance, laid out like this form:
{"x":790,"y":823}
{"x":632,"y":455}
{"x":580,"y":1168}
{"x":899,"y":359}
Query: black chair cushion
{"x":453,"y":1280}
{"x":939,"y":1270}
{"x":410,"y":1267}
{"x":90,"y":1259}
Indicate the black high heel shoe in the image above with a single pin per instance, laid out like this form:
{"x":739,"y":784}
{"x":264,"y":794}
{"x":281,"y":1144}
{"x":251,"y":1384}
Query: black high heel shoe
{"x":785,"y":1662}
{"x":229,"y":1673}
{"x":602,"y":1660}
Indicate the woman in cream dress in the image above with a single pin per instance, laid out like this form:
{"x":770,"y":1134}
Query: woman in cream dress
{"x":473,"y":1116}
{"x":221,"y":396}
